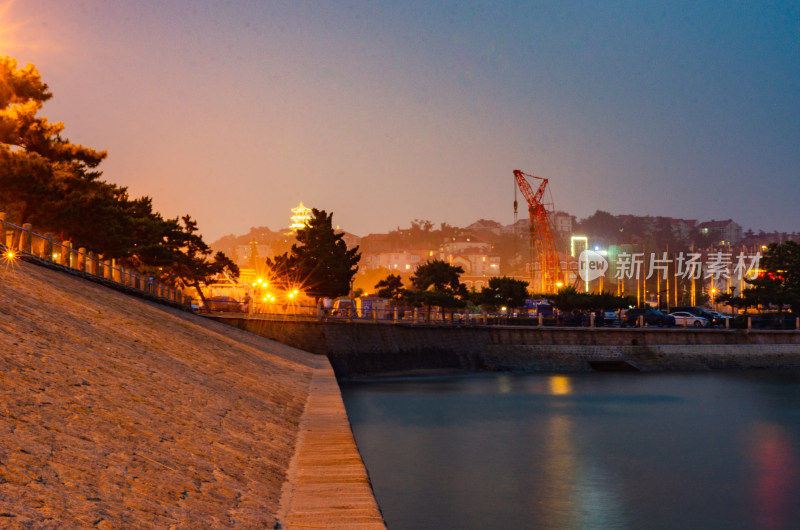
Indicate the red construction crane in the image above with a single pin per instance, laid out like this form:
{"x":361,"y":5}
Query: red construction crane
{"x":543,"y":243}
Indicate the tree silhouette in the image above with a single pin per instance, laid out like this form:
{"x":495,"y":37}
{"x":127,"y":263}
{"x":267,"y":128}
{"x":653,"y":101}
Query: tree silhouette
{"x":320,"y":262}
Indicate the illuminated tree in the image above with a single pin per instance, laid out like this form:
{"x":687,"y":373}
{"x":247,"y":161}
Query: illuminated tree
{"x":320,"y":262}
{"x":37,"y":165}
{"x":54,"y":184}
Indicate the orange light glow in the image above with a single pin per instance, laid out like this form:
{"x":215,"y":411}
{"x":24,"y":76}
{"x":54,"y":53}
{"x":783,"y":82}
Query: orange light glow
{"x":9,"y":38}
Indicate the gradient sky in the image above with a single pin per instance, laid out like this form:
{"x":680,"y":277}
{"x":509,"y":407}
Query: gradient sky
{"x":383,"y":112}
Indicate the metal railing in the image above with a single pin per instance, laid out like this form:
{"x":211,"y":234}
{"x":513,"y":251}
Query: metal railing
{"x":22,"y":241}
{"x":421,"y":315}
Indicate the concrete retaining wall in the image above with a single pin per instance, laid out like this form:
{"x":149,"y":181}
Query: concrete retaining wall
{"x":368,"y":350}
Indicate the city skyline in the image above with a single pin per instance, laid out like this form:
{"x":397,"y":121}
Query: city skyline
{"x":386,"y":113}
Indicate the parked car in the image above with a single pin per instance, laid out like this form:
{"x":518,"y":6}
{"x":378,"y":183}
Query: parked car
{"x":700,"y":312}
{"x":225,"y":304}
{"x":344,"y":307}
{"x":612,"y":318}
{"x":719,"y":315}
{"x":652,"y":317}
{"x":684,"y":318}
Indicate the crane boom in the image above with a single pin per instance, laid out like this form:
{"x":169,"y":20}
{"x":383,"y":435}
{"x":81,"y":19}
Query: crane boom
{"x":541,"y":234}
{"x":526,"y":189}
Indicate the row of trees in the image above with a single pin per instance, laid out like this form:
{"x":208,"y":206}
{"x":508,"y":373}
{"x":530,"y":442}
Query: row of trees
{"x":54,"y":184}
{"x":436,"y":283}
{"x":322,"y":266}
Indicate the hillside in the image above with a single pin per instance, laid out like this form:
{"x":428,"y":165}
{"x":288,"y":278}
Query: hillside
{"x":115,"y":412}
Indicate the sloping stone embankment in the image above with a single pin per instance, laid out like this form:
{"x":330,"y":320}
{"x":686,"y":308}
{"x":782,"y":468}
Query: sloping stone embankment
{"x":117,"y":412}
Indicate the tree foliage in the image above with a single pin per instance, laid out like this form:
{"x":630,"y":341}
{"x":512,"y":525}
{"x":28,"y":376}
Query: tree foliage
{"x":568,"y":299}
{"x":320,"y":262}
{"x":191,"y":262}
{"x":390,"y":287}
{"x":779,"y":284}
{"x":54,"y":184}
{"x":503,"y":292}
{"x":437,"y":283}
{"x":38,"y":167}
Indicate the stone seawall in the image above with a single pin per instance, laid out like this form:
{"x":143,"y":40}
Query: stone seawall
{"x":368,"y":350}
{"x":121,"y":413}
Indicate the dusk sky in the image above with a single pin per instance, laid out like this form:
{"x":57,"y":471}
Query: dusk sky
{"x":383,"y":112}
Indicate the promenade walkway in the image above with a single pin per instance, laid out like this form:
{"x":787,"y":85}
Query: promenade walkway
{"x":328,"y":486}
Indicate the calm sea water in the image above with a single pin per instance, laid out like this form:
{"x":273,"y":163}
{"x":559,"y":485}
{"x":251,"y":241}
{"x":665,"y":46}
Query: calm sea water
{"x":710,"y":450}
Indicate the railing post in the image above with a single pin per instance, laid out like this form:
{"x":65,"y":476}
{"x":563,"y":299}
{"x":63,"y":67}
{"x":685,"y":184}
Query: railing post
{"x":591,"y":320}
{"x":749,"y":322}
{"x":541,"y":320}
{"x":62,"y":253}
{"x":3,"y":228}
{"x":25,"y":238}
{"x":47,"y":249}
{"x":73,"y":257}
{"x":641,"y":321}
{"x":82,"y":259}
{"x":796,"y":323}
{"x":727,"y":323}
{"x":414,"y":316}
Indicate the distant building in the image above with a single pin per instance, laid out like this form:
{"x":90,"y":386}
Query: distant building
{"x":562,"y":222}
{"x":723,"y":232}
{"x":475,"y":256}
{"x":403,"y":260}
{"x":485,"y":226}
{"x":681,"y":228}
{"x":300,"y":216}
{"x":460,"y":243}
{"x":376,"y":244}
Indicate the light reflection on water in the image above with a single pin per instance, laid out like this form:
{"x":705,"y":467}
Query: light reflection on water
{"x":713,"y":450}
